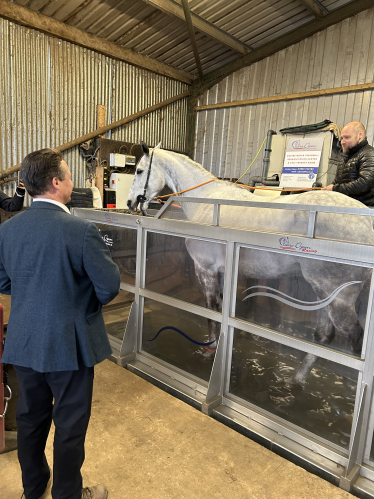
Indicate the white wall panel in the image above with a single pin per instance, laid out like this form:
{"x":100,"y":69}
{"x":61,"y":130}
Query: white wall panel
{"x":227,"y":140}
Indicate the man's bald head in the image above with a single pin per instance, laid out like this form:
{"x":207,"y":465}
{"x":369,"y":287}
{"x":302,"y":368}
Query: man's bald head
{"x":352,"y":133}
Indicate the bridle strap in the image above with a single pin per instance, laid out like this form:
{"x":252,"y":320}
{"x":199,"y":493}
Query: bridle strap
{"x":142,"y":198}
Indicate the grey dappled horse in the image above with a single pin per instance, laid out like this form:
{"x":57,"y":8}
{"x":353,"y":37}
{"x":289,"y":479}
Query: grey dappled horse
{"x":179,"y":172}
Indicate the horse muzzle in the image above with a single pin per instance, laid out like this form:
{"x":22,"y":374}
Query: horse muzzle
{"x":141,"y":202}
{"x":132,"y":205}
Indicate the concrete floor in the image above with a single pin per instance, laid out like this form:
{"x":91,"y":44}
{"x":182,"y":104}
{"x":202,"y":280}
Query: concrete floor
{"x":143,"y":443}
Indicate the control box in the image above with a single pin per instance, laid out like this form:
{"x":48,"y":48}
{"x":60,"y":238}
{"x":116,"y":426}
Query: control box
{"x":121,"y":183}
{"x":121,"y":160}
{"x":118,"y":160}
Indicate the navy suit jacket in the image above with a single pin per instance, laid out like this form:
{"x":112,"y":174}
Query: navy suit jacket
{"x":59,"y":272}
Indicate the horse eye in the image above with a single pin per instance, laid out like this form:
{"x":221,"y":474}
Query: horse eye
{"x":138,"y":172}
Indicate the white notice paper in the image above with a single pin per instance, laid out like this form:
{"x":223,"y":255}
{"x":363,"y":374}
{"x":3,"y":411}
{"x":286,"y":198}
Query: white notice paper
{"x":301,"y":162}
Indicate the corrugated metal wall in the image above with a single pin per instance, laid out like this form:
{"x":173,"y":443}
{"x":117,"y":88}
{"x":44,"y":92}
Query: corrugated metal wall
{"x":49,"y":90}
{"x":228,"y":139}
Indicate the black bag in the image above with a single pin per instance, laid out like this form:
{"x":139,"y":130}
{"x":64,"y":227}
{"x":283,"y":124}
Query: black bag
{"x":81,"y":198}
{"x":306,"y":128}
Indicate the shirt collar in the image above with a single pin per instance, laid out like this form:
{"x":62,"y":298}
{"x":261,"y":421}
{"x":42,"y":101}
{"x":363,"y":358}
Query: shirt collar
{"x":57,"y":203}
{"x":358,"y":146}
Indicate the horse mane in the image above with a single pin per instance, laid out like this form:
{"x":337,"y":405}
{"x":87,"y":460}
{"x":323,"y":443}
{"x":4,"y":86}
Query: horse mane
{"x":204,"y":170}
{"x":189,"y":160}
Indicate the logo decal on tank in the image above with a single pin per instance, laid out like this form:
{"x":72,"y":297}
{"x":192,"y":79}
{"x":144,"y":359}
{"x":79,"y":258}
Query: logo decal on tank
{"x":107,"y":240}
{"x":293,"y":302}
{"x":285,"y":243}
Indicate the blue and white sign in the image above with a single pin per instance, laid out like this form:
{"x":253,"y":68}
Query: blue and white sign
{"x":301,"y":162}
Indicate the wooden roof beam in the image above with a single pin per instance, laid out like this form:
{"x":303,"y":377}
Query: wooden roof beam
{"x":174,"y":9}
{"x":191,"y":31}
{"x":31,"y":19}
{"x":315,"y":7}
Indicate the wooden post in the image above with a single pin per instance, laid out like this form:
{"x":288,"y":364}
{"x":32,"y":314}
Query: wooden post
{"x":100,"y":122}
{"x":191,"y":127}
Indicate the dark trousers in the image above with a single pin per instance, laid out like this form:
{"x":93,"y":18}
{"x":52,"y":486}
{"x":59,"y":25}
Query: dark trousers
{"x":70,"y":411}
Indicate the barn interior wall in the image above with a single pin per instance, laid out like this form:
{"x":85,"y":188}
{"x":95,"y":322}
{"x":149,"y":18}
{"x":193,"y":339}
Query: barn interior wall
{"x":227,"y":140}
{"x":49,"y":90}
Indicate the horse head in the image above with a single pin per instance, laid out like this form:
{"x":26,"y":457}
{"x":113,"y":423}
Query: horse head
{"x":149,"y":180}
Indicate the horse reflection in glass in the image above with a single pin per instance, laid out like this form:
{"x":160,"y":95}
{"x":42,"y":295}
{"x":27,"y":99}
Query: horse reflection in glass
{"x":336,"y":293}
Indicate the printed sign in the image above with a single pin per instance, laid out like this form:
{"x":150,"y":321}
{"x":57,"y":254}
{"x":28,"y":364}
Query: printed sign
{"x":301,"y":162}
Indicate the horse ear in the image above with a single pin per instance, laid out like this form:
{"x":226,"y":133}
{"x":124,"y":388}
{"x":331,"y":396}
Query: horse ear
{"x":145,"y":148}
{"x":158,"y":146}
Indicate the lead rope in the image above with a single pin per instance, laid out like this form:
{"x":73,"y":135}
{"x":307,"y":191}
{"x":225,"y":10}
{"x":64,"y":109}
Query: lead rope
{"x":158,"y":198}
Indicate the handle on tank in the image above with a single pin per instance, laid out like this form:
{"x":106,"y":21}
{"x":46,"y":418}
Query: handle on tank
{"x":6,"y":401}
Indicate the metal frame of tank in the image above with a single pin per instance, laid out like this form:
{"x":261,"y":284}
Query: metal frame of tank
{"x":350,"y":469}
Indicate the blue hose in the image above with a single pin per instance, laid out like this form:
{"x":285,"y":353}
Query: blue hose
{"x":183,"y":334}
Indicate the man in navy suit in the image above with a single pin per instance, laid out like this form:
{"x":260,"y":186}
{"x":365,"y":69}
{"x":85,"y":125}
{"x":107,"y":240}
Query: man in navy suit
{"x":59,"y":272}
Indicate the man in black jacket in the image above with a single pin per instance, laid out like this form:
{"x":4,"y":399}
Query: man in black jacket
{"x":16,"y":202}
{"x":355,"y":175}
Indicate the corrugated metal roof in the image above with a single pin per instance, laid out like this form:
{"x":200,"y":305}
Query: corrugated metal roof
{"x":141,"y":26}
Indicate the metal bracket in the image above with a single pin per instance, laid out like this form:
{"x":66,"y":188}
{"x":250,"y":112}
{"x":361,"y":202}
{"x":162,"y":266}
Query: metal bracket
{"x":353,"y":469}
{"x":346,"y":482}
{"x":216,"y":213}
{"x":208,"y":408}
{"x":214,"y":392}
{"x":164,"y":208}
{"x":129,"y":338}
{"x":311,"y":223}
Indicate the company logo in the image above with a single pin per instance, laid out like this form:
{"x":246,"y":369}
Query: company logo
{"x":110,"y":218}
{"x":302,"y":147}
{"x":107,"y":240}
{"x":285,"y":243}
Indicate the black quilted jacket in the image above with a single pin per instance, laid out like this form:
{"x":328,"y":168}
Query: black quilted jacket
{"x":355,"y":175}
{"x":12,"y":204}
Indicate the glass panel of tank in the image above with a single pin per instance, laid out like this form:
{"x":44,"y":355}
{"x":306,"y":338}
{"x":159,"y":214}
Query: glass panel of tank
{"x":346,"y":228}
{"x":372,"y":450}
{"x":174,"y":212}
{"x":170,"y":269}
{"x":121,"y":242}
{"x":315,"y":300}
{"x":199,"y":213}
{"x":241,"y":217}
{"x":116,"y":313}
{"x":262,"y":373}
{"x":332,"y":226}
{"x":177,"y":337}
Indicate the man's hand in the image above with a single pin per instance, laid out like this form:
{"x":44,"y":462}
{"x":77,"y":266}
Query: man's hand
{"x":327,"y":188}
{"x":20,"y":190}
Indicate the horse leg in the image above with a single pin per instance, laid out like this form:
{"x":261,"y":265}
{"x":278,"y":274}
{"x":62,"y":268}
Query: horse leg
{"x":339,"y":316}
{"x":324,"y":334}
{"x":345,"y":321}
{"x":342,"y":313}
{"x":344,"y":317}
{"x":212,"y":285}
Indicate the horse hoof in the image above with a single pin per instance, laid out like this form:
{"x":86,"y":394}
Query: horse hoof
{"x":209,"y":354}
{"x":294,"y":382}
